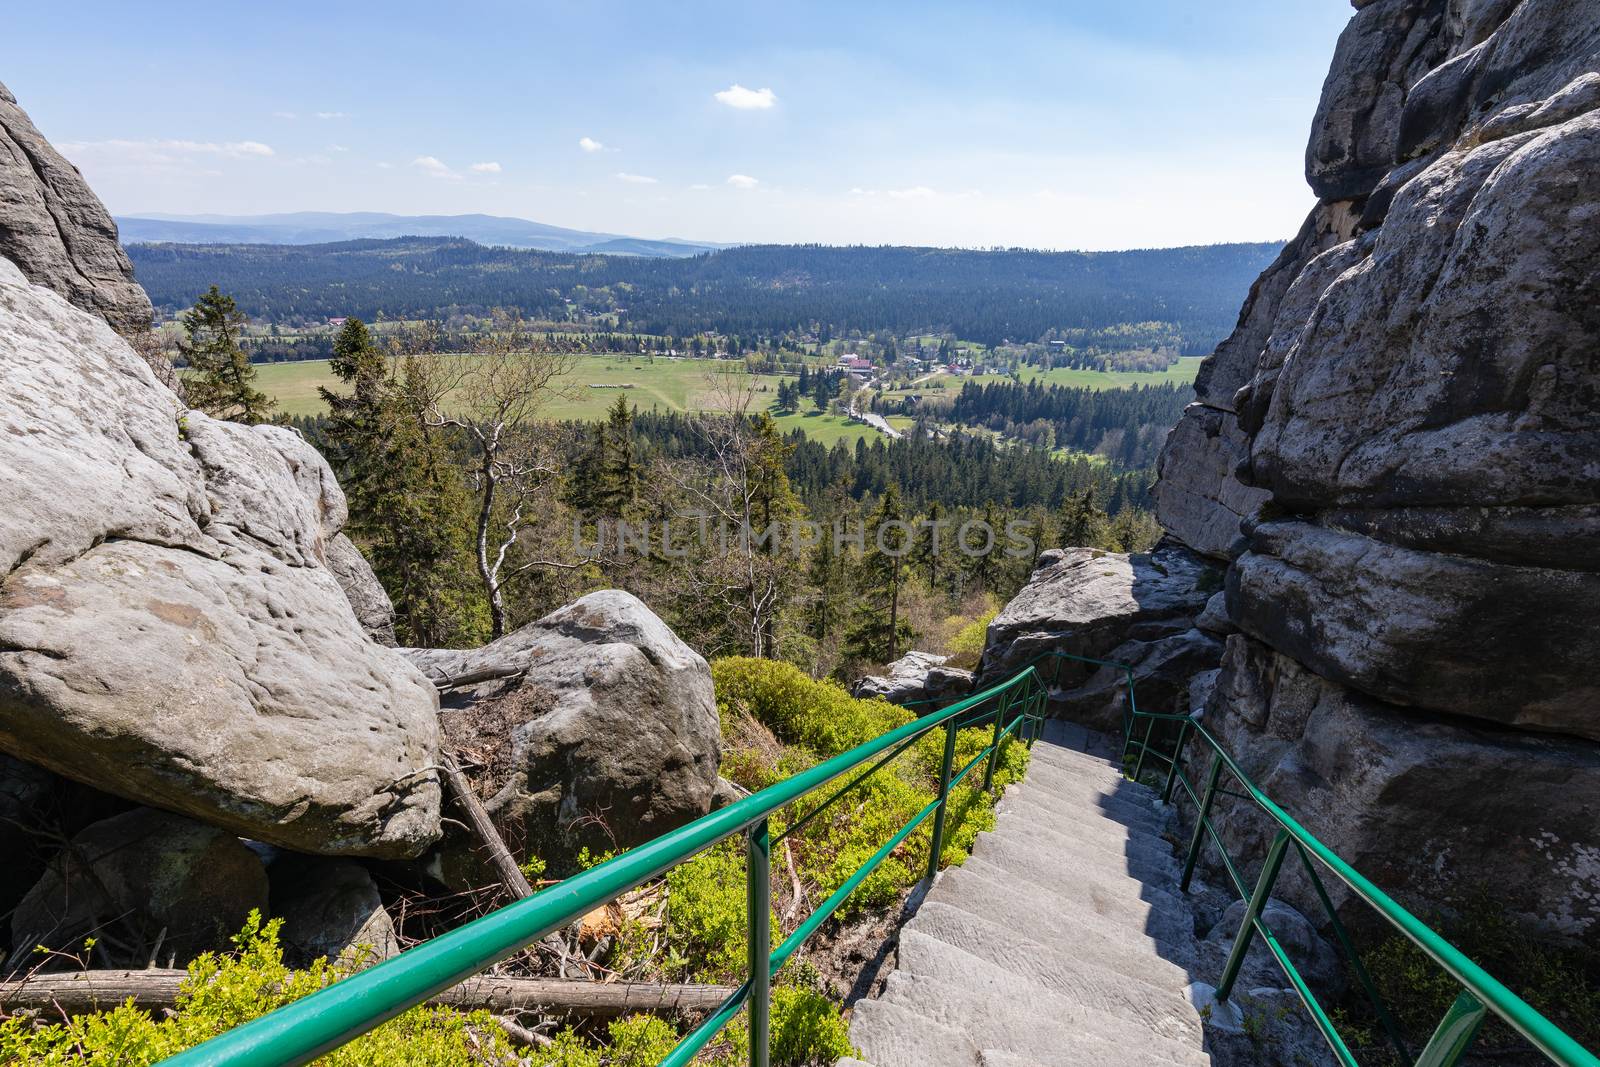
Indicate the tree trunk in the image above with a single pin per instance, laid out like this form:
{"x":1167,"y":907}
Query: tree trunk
{"x":89,"y":991}
{"x":491,"y":583}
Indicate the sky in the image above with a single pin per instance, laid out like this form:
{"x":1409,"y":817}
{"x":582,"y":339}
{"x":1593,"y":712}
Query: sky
{"x":1074,"y":124}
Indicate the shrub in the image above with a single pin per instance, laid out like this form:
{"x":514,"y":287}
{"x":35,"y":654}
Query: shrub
{"x":222,"y":991}
{"x":966,"y":647}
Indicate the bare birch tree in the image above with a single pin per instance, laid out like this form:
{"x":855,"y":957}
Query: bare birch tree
{"x":742,"y":493}
{"x":491,"y":390}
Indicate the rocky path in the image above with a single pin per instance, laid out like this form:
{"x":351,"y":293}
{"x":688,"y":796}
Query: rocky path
{"x":1054,"y":944}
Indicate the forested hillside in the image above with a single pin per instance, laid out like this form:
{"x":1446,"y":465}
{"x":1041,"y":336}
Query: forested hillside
{"x":983,"y":296}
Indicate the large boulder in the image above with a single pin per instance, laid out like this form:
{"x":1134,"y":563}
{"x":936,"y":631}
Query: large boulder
{"x":38,"y":809}
{"x":1087,"y":602}
{"x":920,"y":678}
{"x":1401,"y":796}
{"x":139,"y":874}
{"x":361,"y":587}
{"x":169,"y":628}
{"x":608,"y":735}
{"x":55,"y":229}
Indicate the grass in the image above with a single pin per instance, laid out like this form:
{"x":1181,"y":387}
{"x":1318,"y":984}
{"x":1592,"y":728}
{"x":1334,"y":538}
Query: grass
{"x":661,"y":385}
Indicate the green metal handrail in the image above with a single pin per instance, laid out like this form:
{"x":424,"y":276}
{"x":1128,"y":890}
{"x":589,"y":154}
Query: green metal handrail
{"x":302,"y":1030}
{"x":1481,"y":992}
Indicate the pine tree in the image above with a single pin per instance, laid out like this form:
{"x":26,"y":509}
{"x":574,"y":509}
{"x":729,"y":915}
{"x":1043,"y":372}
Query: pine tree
{"x":221,"y":381}
{"x":878,"y":633}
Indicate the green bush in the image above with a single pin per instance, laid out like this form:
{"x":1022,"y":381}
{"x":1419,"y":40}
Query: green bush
{"x":818,"y":716}
{"x":966,"y":647}
{"x":222,"y":991}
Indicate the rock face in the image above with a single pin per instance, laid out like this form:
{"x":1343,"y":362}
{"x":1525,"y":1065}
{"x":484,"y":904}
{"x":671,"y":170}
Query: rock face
{"x":170,"y":629}
{"x":1399,"y":452}
{"x":56,"y":230}
{"x":916,"y":677}
{"x":611,"y":736}
{"x":145,"y":870}
{"x":1401,"y":795}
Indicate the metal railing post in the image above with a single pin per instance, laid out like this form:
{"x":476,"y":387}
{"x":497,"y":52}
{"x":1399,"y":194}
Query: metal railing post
{"x":994,"y":744}
{"x":1177,"y":760}
{"x":1252,"y":912}
{"x":1144,"y":747}
{"x":1455,"y":1033}
{"x":758,"y":916}
{"x":1200,"y":820}
{"x":1036,"y":717}
{"x":937,"y":845}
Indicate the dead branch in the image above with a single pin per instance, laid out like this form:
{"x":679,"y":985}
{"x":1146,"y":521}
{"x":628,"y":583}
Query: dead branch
{"x":82,"y":992}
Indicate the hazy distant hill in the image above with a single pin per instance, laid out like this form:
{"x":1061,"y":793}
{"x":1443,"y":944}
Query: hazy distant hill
{"x":752,"y":290}
{"x":323,"y":227}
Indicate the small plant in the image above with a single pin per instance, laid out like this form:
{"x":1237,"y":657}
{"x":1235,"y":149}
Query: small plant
{"x":223,"y":990}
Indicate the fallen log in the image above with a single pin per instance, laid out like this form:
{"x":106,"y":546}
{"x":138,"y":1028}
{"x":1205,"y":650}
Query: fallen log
{"x":82,"y":992}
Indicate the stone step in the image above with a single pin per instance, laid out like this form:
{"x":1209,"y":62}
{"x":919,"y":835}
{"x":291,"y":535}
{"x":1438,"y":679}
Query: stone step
{"x":1164,"y":929}
{"x":1073,"y":871}
{"x":1025,"y":908}
{"x":1047,"y":753}
{"x":946,"y":943}
{"x":1145,"y":908}
{"x":1053,"y":1032}
{"x":1119,"y":799}
{"x":1138,"y":856}
{"x":893,"y":1035}
{"x":1154,"y":851}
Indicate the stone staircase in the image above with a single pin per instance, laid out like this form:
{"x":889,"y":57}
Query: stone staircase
{"x":1054,"y":944}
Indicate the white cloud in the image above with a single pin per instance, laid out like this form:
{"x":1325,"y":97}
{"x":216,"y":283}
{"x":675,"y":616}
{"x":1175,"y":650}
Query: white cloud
{"x":332,"y":115}
{"x":636,"y":179}
{"x":743,"y":181}
{"x":434,"y":167}
{"x":385,"y":166}
{"x":916,"y":192}
{"x":284,"y":115}
{"x":486,"y":168}
{"x":337,"y":148}
{"x":589,"y":144}
{"x":164,"y":151}
{"x":699,"y":185}
{"x":737,"y":96}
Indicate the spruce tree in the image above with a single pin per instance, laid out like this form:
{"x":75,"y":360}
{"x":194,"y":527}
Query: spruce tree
{"x":408,"y":506}
{"x":878,"y":633}
{"x":619,"y":464}
{"x":1083,"y":524}
{"x":220,"y":381}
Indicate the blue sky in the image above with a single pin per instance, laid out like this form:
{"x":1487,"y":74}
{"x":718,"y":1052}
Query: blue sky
{"x":1075,"y":124}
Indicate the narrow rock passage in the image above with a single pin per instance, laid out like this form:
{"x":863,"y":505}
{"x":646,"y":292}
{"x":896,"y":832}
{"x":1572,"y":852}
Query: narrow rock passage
{"x":1054,"y":944}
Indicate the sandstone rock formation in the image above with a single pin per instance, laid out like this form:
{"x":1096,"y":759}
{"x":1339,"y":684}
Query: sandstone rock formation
{"x":169,"y":628}
{"x":1399,"y":450}
{"x":1135,"y":610}
{"x":55,"y":229}
{"x":611,"y":736}
{"x":146,"y":871}
{"x":916,"y":678}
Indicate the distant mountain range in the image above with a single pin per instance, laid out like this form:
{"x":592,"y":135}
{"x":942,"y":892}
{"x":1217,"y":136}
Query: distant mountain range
{"x":325,"y":227}
{"x":751,"y":291}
